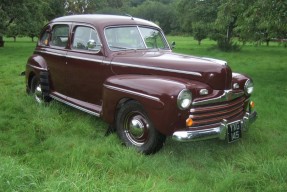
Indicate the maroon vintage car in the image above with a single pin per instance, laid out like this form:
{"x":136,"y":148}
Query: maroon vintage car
{"x":122,"y":69}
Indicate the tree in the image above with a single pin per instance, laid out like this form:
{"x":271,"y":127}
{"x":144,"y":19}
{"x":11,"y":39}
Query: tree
{"x":229,"y":13}
{"x":200,"y":31}
{"x":33,"y":26}
{"x":118,"y":7}
{"x":163,"y":14}
{"x":135,"y":3}
{"x":85,"y":6}
{"x":13,"y":31}
{"x":10,"y":10}
{"x":53,"y":9}
{"x":21,"y":17}
{"x":263,"y":20}
{"x":197,"y":17}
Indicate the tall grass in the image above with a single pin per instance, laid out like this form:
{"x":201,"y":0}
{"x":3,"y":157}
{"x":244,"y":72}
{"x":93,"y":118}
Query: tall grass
{"x":57,"y":148}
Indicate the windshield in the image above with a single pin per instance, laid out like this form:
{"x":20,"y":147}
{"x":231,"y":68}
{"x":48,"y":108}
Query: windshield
{"x":134,"y":37}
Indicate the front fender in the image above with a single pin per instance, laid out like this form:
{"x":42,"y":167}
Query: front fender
{"x":157,"y":94}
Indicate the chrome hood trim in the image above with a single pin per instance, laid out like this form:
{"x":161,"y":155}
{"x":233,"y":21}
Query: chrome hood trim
{"x":218,"y":61}
{"x":226,"y":96}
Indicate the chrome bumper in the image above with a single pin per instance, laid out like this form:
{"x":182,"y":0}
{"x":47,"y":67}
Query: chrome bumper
{"x":214,"y":132}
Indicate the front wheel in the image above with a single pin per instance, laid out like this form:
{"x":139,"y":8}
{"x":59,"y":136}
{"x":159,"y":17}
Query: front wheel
{"x":135,"y":129}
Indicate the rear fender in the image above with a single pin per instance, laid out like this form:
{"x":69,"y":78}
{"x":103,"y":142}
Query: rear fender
{"x":36,"y":64}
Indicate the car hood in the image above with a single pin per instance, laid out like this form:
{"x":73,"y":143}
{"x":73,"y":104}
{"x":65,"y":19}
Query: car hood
{"x":213,"y":72}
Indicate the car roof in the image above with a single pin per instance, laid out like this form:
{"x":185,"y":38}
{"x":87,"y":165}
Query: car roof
{"x":105,"y":20}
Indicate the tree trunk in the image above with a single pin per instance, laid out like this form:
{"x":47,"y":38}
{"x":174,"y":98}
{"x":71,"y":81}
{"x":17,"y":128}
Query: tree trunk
{"x":1,"y":41}
{"x":199,"y":42}
{"x":230,"y":29}
{"x":267,"y":42}
{"x":14,"y":38}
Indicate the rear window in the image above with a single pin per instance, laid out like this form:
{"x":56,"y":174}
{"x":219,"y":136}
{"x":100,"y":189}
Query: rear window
{"x":44,"y":39}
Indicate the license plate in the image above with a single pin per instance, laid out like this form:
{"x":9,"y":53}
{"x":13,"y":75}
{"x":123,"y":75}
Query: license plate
{"x":234,"y":131}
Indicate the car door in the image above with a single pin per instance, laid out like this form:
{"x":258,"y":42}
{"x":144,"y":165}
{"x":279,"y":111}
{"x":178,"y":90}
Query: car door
{"x":86,"y":71}
{"x":55,"y":56}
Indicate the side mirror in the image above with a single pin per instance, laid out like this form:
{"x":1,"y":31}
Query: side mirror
{"x":172,"y":45}
{"x":93,"y":46}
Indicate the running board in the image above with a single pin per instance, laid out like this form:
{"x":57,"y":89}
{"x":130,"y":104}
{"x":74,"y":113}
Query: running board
{"x":97,"y":114}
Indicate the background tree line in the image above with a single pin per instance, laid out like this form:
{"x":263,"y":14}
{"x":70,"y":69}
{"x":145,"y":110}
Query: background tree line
{"x":220,"y":20}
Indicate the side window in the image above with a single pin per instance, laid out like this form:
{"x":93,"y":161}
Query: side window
{"x":86,"y":38}
{"x":59,"y":35}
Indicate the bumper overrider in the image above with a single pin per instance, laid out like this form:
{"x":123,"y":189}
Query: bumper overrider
{"x":213,"y":132}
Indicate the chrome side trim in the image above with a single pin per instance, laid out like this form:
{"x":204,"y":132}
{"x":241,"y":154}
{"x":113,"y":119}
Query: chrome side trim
{"x":157,"y":68}
{"x":125,"y":64}
{"x":219,"y":132}
{"x":83,"y":58}
{"x":226,"y":96}
{"x":51,"y":53}
{"x":35,"y":67}
{"x":75,"y":106}
{"x":69,"y":56}
{"x":132,"y":92}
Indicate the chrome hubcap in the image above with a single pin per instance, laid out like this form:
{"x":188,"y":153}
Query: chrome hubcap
{"x":38,"y":94}
{"x":136,"y":128}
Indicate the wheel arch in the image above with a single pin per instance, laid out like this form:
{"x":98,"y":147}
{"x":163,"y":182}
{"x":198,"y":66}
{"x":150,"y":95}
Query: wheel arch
{"x":35,"y":64}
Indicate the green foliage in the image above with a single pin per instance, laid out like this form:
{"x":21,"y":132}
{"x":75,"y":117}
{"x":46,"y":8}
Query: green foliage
{"x":160,"y":13}
{"x":58,"y":148}
{"x":197,"y":17}
{"x":10,"y":10}
{"x":53,"y":9}
{"x":80,"y":6}
{"x":19,"y":18}
{"x":221,"y":20}
{"x":13,"y":31}
{"x":226,"y":45}
{"x":264,"y":20}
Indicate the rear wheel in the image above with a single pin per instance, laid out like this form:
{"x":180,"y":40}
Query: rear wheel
{"x":37,"y":92}
{"x":136,"y":130}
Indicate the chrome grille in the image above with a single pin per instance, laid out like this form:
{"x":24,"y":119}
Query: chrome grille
{"x":215,"y":113}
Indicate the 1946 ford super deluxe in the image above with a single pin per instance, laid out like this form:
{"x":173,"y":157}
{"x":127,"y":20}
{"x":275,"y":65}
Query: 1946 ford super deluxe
{"x":123,"y":70}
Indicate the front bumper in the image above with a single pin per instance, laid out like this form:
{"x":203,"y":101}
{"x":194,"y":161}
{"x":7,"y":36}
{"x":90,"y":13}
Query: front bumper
{"x":213,"y":132}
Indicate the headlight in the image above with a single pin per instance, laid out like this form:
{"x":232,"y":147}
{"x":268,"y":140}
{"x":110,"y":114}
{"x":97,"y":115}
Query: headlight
{"x":248,"y":87}
{"x":184,"y":99}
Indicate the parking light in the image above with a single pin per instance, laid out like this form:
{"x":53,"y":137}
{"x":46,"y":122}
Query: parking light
{"x":189,"y":122}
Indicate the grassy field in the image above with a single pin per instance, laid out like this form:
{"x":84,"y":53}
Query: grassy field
{"x":57,"y":148}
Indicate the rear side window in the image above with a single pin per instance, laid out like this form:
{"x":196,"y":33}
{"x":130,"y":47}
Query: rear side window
{"x":44,"y":40}
{"x":59,"y":36}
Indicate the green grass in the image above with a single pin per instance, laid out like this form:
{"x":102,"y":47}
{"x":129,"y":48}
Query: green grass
{"x":57,"y":148}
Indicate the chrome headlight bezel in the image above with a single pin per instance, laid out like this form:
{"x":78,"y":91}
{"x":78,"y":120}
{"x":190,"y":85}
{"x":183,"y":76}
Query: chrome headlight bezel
{"x":184,"y":99}
{"x":248,"y":87}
